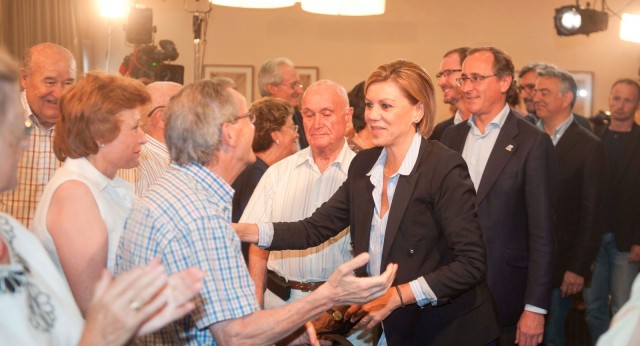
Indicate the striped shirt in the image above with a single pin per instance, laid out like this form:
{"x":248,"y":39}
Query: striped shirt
{"x":185,"y":219}
{"x":291,"y":190}
{"x":36,"y":167}
{"x":154,"y":161}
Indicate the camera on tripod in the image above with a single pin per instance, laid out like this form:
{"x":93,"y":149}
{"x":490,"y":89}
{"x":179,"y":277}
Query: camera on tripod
{"x":149,"y":62}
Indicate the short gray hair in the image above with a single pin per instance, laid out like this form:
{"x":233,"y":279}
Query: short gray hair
{"x":534,"y":67}
{"x":270,"y":74}
{"x":45,"y":49}
{"x":567,"y":83}
{"x":194,"y":120}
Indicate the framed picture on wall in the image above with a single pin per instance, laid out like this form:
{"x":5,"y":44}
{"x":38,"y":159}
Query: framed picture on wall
{"x":308,"y":75}
{"x":242,"y":75}
{"x":584,"y":97}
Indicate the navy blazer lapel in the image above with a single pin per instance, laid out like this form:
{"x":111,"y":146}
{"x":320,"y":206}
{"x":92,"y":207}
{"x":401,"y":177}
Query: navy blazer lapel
{"x":502,"y":151}
{"x":363,"y":214}
{"x":401,"y":198}
{"x":568,"y":140}
{"x":458,"y":136}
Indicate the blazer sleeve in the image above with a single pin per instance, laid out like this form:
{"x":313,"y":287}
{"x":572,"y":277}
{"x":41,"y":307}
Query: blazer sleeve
{"x":540,"y":189}
{"x":327,"y":221}
{"x":454,"y":207}
{"x":591,"y":212}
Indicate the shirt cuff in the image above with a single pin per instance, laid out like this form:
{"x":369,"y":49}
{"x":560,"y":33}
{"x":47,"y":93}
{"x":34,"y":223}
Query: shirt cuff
{"x":265,"y":234}
{"x":423,"y":293}
{"x":535,"y":309}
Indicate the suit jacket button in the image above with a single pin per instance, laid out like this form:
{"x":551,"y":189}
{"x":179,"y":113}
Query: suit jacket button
{"x":411,"y":251}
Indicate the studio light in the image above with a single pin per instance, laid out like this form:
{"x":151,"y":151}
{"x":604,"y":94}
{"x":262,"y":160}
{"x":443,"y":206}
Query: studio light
{"x":573,"y":20}
{"x":630,"y":28}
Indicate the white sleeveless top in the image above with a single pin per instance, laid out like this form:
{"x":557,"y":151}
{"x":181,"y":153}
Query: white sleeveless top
{"x":113,"y":197}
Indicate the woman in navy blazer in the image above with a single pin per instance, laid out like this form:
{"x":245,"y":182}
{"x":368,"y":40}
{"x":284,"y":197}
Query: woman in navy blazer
{"x":409,"y":201}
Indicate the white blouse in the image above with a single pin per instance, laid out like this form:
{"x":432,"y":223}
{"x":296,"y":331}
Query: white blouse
{"x":113,"y":197}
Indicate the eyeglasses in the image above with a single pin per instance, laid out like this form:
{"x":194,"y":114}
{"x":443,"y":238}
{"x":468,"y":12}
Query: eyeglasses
{"x":153,"y":110}
{"x":447,"y":73}
{"x":528,"y":87}
{"x":475,"y":79}
{"x":250,"y":115}
{"x":294,"y":85}
{"x":294,"y":128}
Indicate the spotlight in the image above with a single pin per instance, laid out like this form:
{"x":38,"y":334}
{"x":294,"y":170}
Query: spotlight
{"x":573,"y":20}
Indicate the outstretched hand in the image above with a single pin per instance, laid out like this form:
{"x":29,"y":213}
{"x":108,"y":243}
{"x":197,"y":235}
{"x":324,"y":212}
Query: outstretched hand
{"x":347,"y":289}
{"x":181,"y":288}
{"x":139,"y":301}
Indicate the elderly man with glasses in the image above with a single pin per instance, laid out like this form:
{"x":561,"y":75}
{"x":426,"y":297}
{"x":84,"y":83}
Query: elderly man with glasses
{"x":513,"y":168}
{"x":278,"y":78}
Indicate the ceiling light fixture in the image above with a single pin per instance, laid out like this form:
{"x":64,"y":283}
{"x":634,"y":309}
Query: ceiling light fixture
{"x":630,"y":28}
{"x":344,"y":7}
{"x":254,"y":3}
{"x":573,"y":20}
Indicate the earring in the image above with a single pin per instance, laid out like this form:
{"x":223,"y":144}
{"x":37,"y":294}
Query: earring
{"x":277,"y":141}
{"x":101,"y":145}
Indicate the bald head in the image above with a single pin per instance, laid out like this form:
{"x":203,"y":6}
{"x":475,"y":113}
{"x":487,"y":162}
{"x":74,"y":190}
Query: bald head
{"x":325,"y":114}
{"x":153,"y":113}
{"x":47,"y":69}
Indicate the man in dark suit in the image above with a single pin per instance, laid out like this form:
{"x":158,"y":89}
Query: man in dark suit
{"x":619,"y":255}
{"x":450,"y":70}
{"x":526,"y":85}
{"x":513,"y":167}
{"x":581,"y":171}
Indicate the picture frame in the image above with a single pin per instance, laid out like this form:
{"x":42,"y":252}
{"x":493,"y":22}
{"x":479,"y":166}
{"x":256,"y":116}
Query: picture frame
{"x":308,"y":75}
{"x":242,"y":75}
{"x":584,"y":96}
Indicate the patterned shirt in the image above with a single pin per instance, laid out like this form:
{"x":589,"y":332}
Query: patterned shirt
{"x":185,"y":219}
{"x":154,"y":161}
{"x":291,"y":190}
{"x":36,"y":167}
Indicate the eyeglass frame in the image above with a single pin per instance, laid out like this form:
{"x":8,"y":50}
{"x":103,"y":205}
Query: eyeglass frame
{"x":529,"y":88}
{"x":474,"y":79}
{"x":293,"y":85}
{"x":155,"y":109}
{"x":446,"y":73}
{"x":250,"y":115}
{"x":294,"y":128}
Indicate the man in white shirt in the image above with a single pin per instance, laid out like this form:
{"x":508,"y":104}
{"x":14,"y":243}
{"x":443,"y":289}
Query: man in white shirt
{"x":513,"y":167}
{"x":294,"y":187}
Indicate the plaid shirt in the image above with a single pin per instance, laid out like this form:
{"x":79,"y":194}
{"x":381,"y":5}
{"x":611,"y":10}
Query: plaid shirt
{"x":185,"y":219}
{"x":36,"y":167}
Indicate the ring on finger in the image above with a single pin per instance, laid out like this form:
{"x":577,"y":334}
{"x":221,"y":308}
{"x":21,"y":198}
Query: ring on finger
{"x":135,"y":305}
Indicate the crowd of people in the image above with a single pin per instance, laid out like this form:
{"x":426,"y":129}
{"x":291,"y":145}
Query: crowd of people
{"x":182,"y":215}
